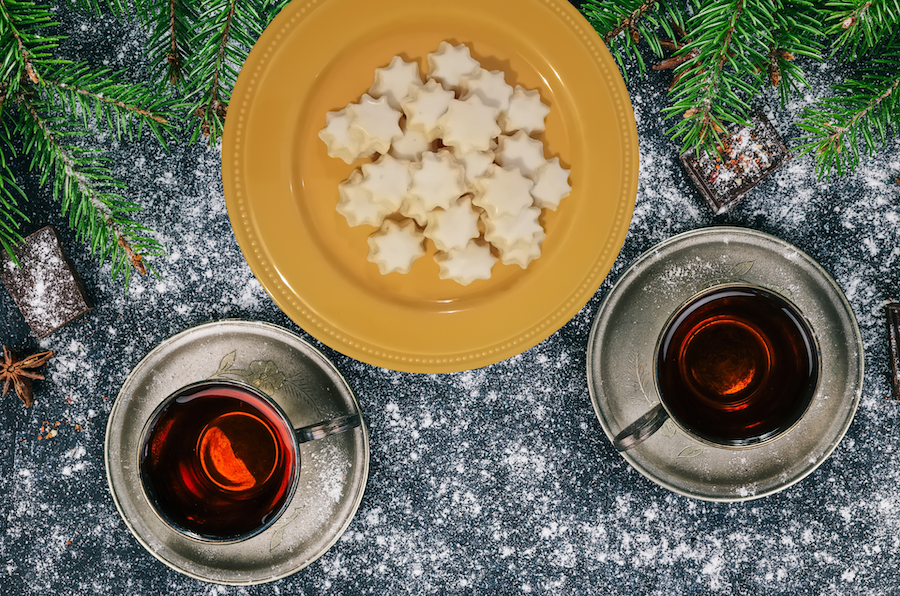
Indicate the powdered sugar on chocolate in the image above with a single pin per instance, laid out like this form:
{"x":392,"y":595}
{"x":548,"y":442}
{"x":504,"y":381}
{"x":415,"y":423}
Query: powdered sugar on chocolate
{"x":47,"y":291}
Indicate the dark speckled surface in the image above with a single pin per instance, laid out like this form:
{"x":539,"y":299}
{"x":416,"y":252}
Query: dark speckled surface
{"x":497,"y":480}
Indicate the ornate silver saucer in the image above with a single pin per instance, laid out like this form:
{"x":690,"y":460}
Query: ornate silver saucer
{"x":308,"y":388}
{"x":621,"y":357}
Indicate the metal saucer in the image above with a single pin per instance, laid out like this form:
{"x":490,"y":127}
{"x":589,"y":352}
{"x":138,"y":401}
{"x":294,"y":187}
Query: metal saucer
{"x":307,"y":386}
{"x":621,"y":357}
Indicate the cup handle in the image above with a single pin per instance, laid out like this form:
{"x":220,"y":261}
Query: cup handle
{"x":640,"y":430}
{"x":327,"y":428}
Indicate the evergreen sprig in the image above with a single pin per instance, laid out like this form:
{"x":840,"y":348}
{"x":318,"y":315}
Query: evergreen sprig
{"x":10,"y":193}
{"x":723,"y":54}
{"x":625,"y":24}
{"x":865,"y":110}
{"x":861,"y":25}
{"x":201,"y":47}
{"x":728,"y":40}
{"x":729,"y":50}
{"x":81,"y":91}
{"x":859,"y":119}
{"x":170,"y":23}
{"x":51,"y":105}
{"x":798,"y":32}
{"x":89,"y":193}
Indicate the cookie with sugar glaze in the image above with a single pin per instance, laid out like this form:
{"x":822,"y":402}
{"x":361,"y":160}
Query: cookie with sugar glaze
{"x":521,"y":151}
{"x":551,"y":185}
{"x":357,"y":205}
{"x":503,"y":191}
{"x":526,"y":112}
{"x":393,"y":82}
{"x":465,"y":265}
{"x":489,"y":85}
{"x":340,"y":143}
{"x":507,"y":231}
{"x":388,"y":180}
{"x":469,"y":125}
{"x":453,"y":227}
{"x":375,"y":123}
{"x":475,"y":163}
{"x":436,"y":182}
{"x":521,"y":254}
{"x":395,"y":247}
{"x":449,"y":63}
{"x":424,"y":107}
{"x":411,"y":145}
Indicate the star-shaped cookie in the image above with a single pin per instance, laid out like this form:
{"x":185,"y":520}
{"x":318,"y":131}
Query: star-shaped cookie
{"x":450,"y":63}
{"x":526,"y":112}
{"x":424,"y":106}
{"x":393,"y":81}
{"x":503,"y":191}
{"x":521,"y":151}
{"x":454,"y":226}
{"x":436,"y":181}
{"x":469,"y":125}
{"x":387,"y":180}
{"x":357,"y":204}
{"x":551,"y":185}
{"x":395,"y":247}
{"x":465,"y":265}
{"x":375,"y":123}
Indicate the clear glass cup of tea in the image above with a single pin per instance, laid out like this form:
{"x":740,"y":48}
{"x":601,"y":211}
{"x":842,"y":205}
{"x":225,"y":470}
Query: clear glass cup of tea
{"x":220,"y":460}
{"x":737,"y":366}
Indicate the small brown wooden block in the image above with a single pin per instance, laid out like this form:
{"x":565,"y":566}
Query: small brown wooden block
{"x":893,"y":321}
{"x":47,"y":290}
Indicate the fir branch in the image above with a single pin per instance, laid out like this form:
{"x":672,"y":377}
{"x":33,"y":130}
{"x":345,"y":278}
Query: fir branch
{"x":862,"y":25}
{"x":21,"y":23}
{"x":629,"y":22}
{"x":865,"y":110}
{"x":10,"y":193}
{"x":124,"y":108}
{"x":175,"y":55}
{"x":727,"y":41}
{"x":624,"y":23}
{"x":171,"y":24}
{"x":213,"y":104}
{"x":203,"y":46}
{"x":88,"y":192}
{"x":798,"y":32}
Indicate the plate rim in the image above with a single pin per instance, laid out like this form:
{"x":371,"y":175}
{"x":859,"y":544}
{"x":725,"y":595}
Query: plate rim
{"x":624,"y":277}
{"x":129,"y":380}
{"x":408,"y":359}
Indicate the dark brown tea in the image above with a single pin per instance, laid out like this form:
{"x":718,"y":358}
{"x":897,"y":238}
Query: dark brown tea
{"x":219,"y":462}
{"x":737,"y":366}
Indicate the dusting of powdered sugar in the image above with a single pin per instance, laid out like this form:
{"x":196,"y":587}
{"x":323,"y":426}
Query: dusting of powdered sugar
{"x":498,"y":480}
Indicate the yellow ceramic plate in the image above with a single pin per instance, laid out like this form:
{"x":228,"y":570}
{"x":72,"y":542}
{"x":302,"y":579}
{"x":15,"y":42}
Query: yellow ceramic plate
{"x":281,"y":187}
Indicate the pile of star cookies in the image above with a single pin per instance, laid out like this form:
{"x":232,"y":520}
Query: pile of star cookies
{"x":451,"y":160}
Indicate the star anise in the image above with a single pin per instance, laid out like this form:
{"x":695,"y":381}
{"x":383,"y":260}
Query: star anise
{"x":19,"y":373}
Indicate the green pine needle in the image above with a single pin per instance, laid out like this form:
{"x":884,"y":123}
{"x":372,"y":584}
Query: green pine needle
{"x":862,"y":25}
{"x":51,"y":103}
{"x":624,"y":24}
{"x":858,"y":120}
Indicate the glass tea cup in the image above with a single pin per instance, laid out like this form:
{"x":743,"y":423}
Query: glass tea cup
{"x":220,"y":460}
{"x":737,"y":366}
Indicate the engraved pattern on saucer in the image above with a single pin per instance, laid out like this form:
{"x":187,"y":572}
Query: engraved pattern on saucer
{"x":622,"y":354}
{"x":333,"y":471}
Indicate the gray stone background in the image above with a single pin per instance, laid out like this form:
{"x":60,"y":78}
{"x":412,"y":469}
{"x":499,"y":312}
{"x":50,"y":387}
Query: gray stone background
{"x":498,"y":480}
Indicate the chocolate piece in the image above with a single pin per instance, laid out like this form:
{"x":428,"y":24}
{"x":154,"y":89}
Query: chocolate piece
{"x":893,"y":320}
{"x":47,"y":290}
{"x":750,"y":153}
